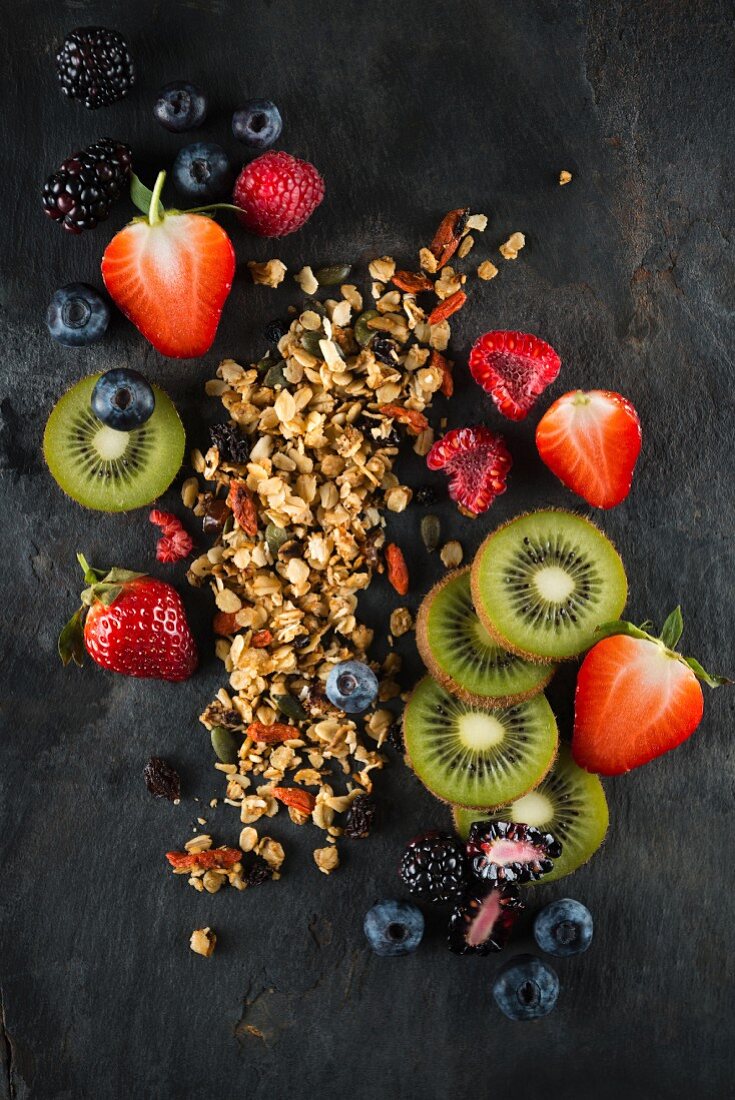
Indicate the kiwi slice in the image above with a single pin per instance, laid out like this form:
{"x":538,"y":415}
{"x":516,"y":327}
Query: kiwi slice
{"x":108,"y":470}
{"x":543,"y":582}
{"x":475,"y":755}
{"x":569,"y":802}
{"x":461,"y":655}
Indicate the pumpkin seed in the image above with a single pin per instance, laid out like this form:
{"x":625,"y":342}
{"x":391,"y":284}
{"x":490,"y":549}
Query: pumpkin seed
{"x":332,"y":274}
{"x":430,"y":532}
{"x":265,"y":362}
{"x":291,"y":707}
{"x":310,"y":341}
{"x":275,"y":538}
{"x":315,"y":306}
{"x":225,"y":744}
{"x":275,"y":376}
{"x":362,"y":333}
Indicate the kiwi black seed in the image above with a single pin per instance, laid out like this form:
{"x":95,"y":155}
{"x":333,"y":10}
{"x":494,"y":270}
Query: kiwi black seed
{"x":544,"y":581}
{"x":475,"y":755}
{"x":108,"y":470}
{"x":568,"y":802}
{"x":461,"y":655}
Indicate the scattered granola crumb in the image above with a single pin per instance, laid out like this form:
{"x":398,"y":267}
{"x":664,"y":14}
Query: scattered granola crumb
{"x":203,"y":942}
{"x":382,"y":269}
{"x":401,"y":621}
{"x":428,"y":261}
{"x":511,"y":248}
{"x":487,"y":270}
{"x":326,"y":859}
{"x":477,"y":222}
{"x":451,"y":554}
{"x":468,"y":243}
{"x":201,"y":821}
{"x":271,"y":273}
{"x":307,"y":280}
{"x":248,"y":838}
{"x":564,"y":177}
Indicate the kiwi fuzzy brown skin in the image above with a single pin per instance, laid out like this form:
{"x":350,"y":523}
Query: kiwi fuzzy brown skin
{"x":498,"y":638}
{"x":461,"y":805}
{"x":422,"y":644}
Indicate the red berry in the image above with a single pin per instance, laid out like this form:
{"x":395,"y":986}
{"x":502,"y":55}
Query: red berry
{"x":591,"y":441}
{"x":277,"y":194}
{"x":174,"y":546}
{"x":477,"y":462}
{"x":514,"y":368}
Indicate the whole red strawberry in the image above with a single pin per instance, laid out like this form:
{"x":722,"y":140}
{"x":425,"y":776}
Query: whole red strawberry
{"x":477,"y":462}
{"x":132,"y":624}
{"x":277,"y":194}
{"x":514,"y":368}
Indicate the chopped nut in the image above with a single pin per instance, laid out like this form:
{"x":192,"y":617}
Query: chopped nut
{"x":270,"y":273}
{"x":428,"y":261}
{"x":401,"y":621}
{"x":451,"y":554}
{"x":203,"y":941}
{"x":382,"y":269}
{"x":487,"y":270}
{"x":326,"y":859}
{"x":307,"y":280}
{"x":477,"y":222}
{"x":512,"y":246}
{"x":564,"y":177}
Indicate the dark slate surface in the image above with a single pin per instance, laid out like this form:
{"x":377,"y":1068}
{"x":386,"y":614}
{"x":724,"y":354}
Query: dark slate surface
{"x":409,"y":109}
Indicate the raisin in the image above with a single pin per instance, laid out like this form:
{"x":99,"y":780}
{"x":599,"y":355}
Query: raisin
{"x":215,"y":517}
{"x":161,"y":779}
{"x":230,"y":444}
{"x":360,"y":817}
{"x":255,"y":870}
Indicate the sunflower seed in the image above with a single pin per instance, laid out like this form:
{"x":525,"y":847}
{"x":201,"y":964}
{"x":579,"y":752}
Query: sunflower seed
{"x":430,"y":532}
{"x":332,"y":274}
{"x":225,"y":744}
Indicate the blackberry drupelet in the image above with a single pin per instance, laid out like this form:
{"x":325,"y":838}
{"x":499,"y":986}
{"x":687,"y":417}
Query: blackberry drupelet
{"x":508,"y":852}
{"x":95,"y":66}
{"x":434,"y":866}
{"x":230,"y":444}
{"x":394,"y":737}
{"x":360,"y":818}
{"x":482,"y":920}
{"x":80,"y":193}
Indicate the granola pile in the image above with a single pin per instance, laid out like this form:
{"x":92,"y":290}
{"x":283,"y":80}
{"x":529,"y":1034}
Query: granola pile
{"x":297,"y":486}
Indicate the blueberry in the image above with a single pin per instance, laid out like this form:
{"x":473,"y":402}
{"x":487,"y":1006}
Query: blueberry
{"x":202,"y":171}
{"x":123,"y":399}
{"x":275,"y":330}
{"x":352,"y":686}
{"x":394,"y":927}
{"x":180,"y":106}
{"x":525,"y":988}
{"x":77,"y":315}
{"x":563,"y":928}
{"x":257,"y":124}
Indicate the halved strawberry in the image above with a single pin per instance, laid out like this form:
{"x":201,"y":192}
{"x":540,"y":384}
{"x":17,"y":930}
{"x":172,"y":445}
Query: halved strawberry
{"x":636,"y":697}
{"x":477,"y":462}
{"x":591,"y":441}
{"x":514,"y":368}
{"x":170,"y":274}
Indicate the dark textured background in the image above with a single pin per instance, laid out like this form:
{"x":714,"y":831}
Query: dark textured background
{"x":408,"y":109}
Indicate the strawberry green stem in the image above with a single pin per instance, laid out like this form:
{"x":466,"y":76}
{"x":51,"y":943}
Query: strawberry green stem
{"x":154,"y":214}
{"x":668,"y":640}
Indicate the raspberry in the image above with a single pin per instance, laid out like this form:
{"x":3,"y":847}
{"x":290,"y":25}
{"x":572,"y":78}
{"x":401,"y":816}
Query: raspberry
{"x":514,"y":369}
{"x":434,"y":866}
{"x":477,"y":462}
{"x":277,"y":194}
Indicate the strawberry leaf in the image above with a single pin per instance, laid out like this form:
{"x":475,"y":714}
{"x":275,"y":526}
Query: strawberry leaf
{"x":619,"y":626}
{"x":71,"y":640}
{"x":141,"y":196}
{"x":702,"y":674}
{"x":672,"y":629}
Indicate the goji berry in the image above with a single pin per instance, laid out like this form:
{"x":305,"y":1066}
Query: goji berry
{"x":411,"y":282}
{"x":446,"y":308}
{"x":277,"y":731}
{"x":225,"y":623}
{"x":438,"y":360}
{"x":397,"y":570}
{"x":215,"y":857}
{"x":261,"y":639}
{"x":415,"y":421}
{"x":303,"y":801}
{"x":448,"y":235}
{"x":243,"y":507}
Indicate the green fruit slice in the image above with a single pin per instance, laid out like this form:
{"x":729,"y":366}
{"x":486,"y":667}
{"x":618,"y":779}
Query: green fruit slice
{"x":461,"y":655}
{"x":569,"y":802}
{"x":475,"y":755}
{"x":543,"y":582}
{"x":107,"y":470}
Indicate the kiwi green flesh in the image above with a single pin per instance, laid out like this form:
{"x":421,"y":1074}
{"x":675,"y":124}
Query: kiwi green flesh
{"x":568,"y":802}
{"x":474,"y":755}
{"x":543,"y":582}
{"x":107,"y":470}
{"x":459,"y":652}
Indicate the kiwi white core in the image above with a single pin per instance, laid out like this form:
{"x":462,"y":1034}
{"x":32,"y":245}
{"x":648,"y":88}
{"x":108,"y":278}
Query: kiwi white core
{"x":533,"y":809}
{"x":110,"y":444}
{"x":553,"y":584}
{"x":479,"y":731}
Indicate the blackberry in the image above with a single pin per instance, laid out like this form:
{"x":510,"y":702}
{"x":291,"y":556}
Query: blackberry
{"x":230,"y":444}
{"x":255,"y":869}
{"x":483,"y":920}
{"x":385,"y":350}
{"x":434,"y":866}
{"x":80,"y":193}
{"x":504,"y":851}
{"x":95,"y":66}
{"x":425,"y":495}
{"x":360,"y":818}
{"x":394,"y":737}
{"x":274,"y":330}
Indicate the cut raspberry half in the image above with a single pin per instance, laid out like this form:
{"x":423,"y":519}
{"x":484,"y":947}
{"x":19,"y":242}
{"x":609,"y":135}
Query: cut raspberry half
{"x":476,"y":461}
{"x":514,"y":368}
{"x":507,"y":852}
{"x":483,"y":920}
